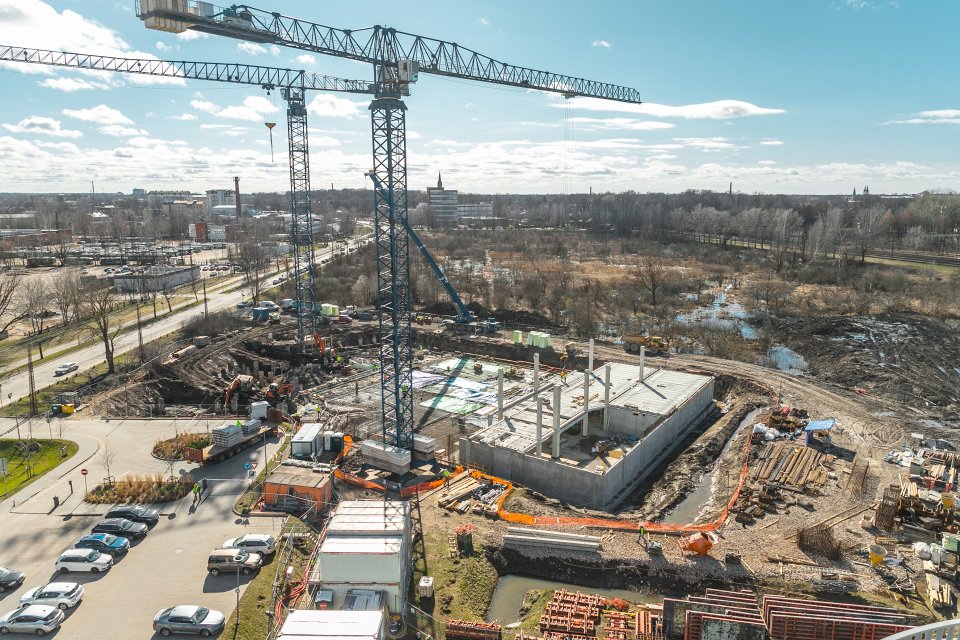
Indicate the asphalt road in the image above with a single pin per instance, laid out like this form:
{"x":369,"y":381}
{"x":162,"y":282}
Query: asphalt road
{"x":166,"y":568}
{"x":18,"y":386}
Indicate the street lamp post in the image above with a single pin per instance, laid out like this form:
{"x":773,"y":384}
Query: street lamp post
{"x":237,"y":590}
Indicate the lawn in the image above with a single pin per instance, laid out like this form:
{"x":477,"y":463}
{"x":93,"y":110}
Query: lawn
{"x":257,"y":601}
{"x":45,"y":395}
{"x":27,"y":463}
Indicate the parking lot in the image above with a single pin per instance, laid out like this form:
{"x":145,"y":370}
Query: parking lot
{"x":166,"y":568}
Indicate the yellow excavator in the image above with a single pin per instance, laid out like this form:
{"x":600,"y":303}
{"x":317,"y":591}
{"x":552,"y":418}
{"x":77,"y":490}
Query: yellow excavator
{"x":654,"y":344}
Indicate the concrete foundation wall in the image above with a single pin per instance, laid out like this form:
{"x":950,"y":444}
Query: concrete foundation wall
{"x":585,"y":487}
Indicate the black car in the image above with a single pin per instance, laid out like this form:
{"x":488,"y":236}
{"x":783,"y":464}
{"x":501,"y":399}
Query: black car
{"x":136,"y":513}
{"x":10,"y":579}
{"x":121,"y":527}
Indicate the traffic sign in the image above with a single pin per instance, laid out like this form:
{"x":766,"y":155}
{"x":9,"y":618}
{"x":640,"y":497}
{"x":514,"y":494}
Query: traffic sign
{"x":246,"y":465}
{"x":253,"y":465}
{"x":83,"y":472}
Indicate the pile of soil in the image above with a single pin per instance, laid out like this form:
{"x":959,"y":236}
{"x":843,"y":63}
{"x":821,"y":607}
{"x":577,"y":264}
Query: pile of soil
{"x":905,"y":358}
{"x":529,"y":318}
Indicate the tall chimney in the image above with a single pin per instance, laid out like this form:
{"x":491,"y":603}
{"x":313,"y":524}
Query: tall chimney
{"x":236,"y":194}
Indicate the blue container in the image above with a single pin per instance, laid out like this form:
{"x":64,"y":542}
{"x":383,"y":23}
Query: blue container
{"x":261,"y":314}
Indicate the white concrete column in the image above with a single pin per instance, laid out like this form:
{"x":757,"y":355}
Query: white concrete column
{"x":539,"y":426}
{"x":536,"y":373}
{"x":590,"y":357}
{"x":489,"y":419}
{"x":606,"y":395}
{"x":643,"y":357}
{"x":585,"y":430}
{"x":556,"y":422}
{"x":500,"y":393}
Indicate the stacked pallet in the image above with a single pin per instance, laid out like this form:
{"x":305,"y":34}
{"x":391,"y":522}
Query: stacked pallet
{"x":554,"y":540}
{"x":227,"y":435}
{"x":385,"y":456}
{"x":617,"y":626}
{"x":571,"y":614}
{"x":794,"y":619}
{"x":792,"y":465}
{"x":464,"y":630}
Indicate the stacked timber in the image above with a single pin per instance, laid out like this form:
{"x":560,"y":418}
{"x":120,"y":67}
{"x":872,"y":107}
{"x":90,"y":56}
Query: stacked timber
{"x":792,"y":465}
{"x":456,"y":493}
{"x":385,"y":456}
{"x":553,"y":540}
{"x":227,"y":436}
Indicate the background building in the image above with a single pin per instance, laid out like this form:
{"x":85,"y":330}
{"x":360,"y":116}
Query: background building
{"x":156,"y":278}
{"x":443,"y":203}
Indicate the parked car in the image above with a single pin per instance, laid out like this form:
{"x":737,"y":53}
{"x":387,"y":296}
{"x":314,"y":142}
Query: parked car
{"x":104,"y":542}
{"x":121,"y":527}
{"x":10,"y":579}
{"x":231,"y":560}
{"x":344,"y":319}
{"x":244,"y":304}
{"x":268,"y":304}
{"x":66,"y":368}
{"x":135,"y":512}
{"x":62,"y":595}
{"x":37,"y":619}
{"x":188,"y":618}
{"x":84,"y":560}
{"x":108,"y":270}
{"x":258,"y":542}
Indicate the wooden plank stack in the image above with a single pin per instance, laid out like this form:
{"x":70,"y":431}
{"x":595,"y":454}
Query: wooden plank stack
{"x":792,"y":465}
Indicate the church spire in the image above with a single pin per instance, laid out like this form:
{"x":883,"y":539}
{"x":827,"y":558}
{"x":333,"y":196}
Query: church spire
{"x":439,"y":181}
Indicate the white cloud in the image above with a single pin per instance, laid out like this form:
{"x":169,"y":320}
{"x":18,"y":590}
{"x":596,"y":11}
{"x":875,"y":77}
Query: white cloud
{"x":252,"y":109}
{"x":413,"y":135}
{"x":121,"y":131}
{"x":327,"y":105}
{"x":628,"y":124}
{"x":767,"y":162}
{"x":42,"y":125}
{"x":227,"y":129}
{"x":706,"y":144}
{"x":70,"y":84}
{"x":101,"y":114}
{"x":771,"y":143}
{"x":306,"y":58}
{"x":184,"y":117}
{"x":936,"y":116}
{"x":600,"y":43}
{"x":718,"y":110}
{"x":483,"y":21}
{"x":163,"y":46}
{"x":258,"y":49}
{"x":189,"y":35}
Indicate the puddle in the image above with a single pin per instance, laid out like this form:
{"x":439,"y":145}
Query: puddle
{"x":690,"y":507}
{"x":786,"y":360}
{"x":731,"y":316}
{"x":508,"y":596}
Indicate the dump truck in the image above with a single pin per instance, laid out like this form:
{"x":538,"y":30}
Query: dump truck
{"x":213,"y":453}
{"x":654,"y":344}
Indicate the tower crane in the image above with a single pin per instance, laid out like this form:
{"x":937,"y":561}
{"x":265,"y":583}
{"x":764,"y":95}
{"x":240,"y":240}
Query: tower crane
{"x":397,"y":59}
{"x":292,"y":84}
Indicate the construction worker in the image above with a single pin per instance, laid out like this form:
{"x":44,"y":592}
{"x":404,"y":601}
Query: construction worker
{"x":196,"y":492}
{"x":356,"y":388}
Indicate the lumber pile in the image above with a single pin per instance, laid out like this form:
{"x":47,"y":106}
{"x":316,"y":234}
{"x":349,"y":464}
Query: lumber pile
{"x":457,"y":492}
{"x":553,"y":540}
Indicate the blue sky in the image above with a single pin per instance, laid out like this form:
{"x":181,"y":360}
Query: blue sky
{"x":777,"y":96}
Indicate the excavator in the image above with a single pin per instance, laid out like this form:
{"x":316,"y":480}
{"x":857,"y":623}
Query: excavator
{"x":277,"y":393}
{"x":242,"y":383}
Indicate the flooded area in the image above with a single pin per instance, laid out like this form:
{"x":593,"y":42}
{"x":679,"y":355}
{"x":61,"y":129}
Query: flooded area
{"x":508,"y":596}
{"x":693,"y":505}
{"x":786,"y":360}
{"x":723,"y":314}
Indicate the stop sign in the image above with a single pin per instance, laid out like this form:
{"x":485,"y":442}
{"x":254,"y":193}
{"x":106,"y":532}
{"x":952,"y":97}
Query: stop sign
{"x":83,"y":472}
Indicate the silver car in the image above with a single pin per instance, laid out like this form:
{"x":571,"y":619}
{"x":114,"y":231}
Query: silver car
{"x":62,"y":595}
{"x":37,"y":619}
{"x":188,"y":618}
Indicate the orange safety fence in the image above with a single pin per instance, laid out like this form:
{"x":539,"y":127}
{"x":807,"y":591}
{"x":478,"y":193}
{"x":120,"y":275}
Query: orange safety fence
{"x":405,"y":492}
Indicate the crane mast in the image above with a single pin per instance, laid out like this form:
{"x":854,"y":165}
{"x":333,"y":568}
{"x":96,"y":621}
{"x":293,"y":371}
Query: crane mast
{"x":397,"y":58}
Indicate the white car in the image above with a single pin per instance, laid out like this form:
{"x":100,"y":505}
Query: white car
{"x":267,"y":304}
{"x":66,"y":368}
{"x":84,"y":560}
{"x":256,"y":542}
{"x":62,"y":595}
{"x":32,"y":618}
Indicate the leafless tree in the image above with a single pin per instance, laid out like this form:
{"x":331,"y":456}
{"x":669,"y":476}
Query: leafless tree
{"x":167,"y":292}
{"x":868,"y":228}
{"x":60,"y":249}
{"x":63,"y":290}
{"x":106,"y":458}
{"x":652,"y":274}
{"x":255,"y":260}
{"x":98,"y":305}
{"x":10,"y":313}
{"x":35,"y":300}
{"x":362,"y":290}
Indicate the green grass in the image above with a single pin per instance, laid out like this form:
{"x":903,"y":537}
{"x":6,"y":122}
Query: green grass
{"x":23,"y":468}
{"x":535,"y":603}
{"x":245,"y":502}
{"x":256,"y":602}
{"x":463,"y":587}
{"x":45,"y":395}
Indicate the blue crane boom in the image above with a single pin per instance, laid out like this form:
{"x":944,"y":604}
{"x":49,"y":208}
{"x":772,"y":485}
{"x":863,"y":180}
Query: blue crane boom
{"x":464,"y":316}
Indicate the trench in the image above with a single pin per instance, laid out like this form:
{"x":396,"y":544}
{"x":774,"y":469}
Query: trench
{"x":693,"y":506}
{"x":511,"y":589}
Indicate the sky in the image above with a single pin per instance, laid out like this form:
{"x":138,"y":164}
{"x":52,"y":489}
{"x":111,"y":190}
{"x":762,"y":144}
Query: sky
{"x":773,"y":96}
